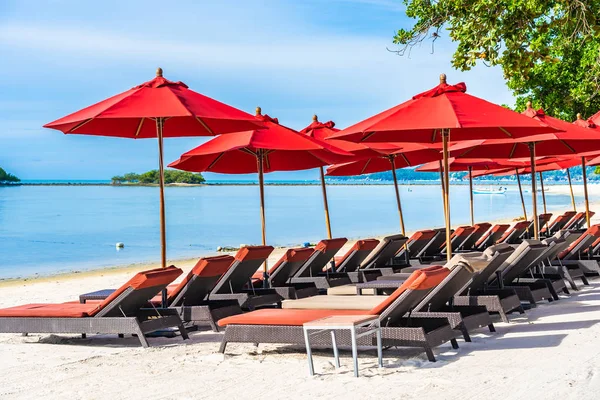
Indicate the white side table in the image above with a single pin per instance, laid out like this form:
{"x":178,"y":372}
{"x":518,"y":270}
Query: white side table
{"x":341,"y":322}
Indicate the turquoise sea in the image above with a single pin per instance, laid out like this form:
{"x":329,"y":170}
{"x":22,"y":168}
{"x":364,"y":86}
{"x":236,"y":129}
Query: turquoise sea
{"x":52,"y":229}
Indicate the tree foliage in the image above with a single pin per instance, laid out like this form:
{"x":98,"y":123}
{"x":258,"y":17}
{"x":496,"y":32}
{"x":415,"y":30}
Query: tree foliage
{"x":549,"y":50}
{"x":5,"y":177}
{"x":151,"y":177}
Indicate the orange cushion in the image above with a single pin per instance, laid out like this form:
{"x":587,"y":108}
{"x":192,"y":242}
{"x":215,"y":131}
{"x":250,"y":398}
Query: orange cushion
{"x":422,"y":279}
{"x":205,"y":267}
{"x":330,"y":244}
{"x":253,"y":253}
{"x":592,"y":230}
{"x":286,"y":317}
{"x":67,"y":310}
{"x":291,"y":255}
{"x":360,"y":245}
{"x":422,"y":235}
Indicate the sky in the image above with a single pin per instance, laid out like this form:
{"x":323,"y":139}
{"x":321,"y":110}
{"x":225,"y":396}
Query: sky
{"x":294,"y":59}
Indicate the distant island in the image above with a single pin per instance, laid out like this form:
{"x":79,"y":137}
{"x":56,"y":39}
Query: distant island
{"x":151,"y":177}
{"x":6,"y":178}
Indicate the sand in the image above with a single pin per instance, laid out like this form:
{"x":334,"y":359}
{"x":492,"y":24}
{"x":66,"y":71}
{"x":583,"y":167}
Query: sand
{"x":551,"y":352}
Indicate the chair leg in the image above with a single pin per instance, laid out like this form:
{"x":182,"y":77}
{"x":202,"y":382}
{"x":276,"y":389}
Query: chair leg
{"x":492,"y":328}
{"x":465,"y":333}
{"x":521,"y":310}
{"x":503,"y":316}
{"x":429,"y":353}
{"x":223,"y":346}
{"x":183,"y":332}
{"x":454,"y":343}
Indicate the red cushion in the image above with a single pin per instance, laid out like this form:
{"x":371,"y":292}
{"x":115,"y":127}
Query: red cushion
{"x":253,"y":253}
{"x":330,"y":244}
{"x":422,"y":235}
{"x":291,"y":255}
{"x":593,"y":230}
{"x":360,"y":245}
{"x":205,"y":267}
{"x":67,"y":310}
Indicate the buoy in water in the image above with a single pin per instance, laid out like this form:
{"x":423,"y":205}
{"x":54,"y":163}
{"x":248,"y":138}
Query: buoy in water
{"x":119,"y":245}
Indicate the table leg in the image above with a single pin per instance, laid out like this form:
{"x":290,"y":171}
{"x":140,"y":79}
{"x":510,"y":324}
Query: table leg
{"x":311,"y":369}
{"x":354,"y":351}
{"x":336,"y":354}
{"x":379,"y":346}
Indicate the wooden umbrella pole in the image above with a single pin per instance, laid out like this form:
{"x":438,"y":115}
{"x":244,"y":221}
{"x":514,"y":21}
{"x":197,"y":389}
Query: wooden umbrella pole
{"x":325,"y":203}
{"x":571,"y":189}
{"x":445,"y":136}
{"x":536,"y":229}
{"x":543,"y":194}
{"x":585,"y":192}
{"x":442,"y":185}
{"x":393,"y":162}
{"x":471,"y":193}
{"x":261,"y":184}
{"x":521,"y":193}
{"x":160,"y":122}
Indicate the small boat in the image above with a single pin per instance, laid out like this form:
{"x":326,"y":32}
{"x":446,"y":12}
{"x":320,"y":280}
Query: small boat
{"x":499,"y":190}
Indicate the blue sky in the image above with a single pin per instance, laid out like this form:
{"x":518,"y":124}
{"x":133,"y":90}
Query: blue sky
{"x":291,"y":58}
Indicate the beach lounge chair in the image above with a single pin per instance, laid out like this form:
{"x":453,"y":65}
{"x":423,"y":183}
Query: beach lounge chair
{"x":558,"y":223}
{"x":575,"y":253}
{"x":546,"y":269}
{"x":415,"y":246}
{"x":312,"y":270}
{"x":512,"y":274}
{"x":350,"y":262}
{"x":477,"y":293}
{"x":578,"y":221}
{"x":477,"y":233}
{"x":432,"y":250}
{"x":457,"y":238}
{"x":382,"y":259}
{"x":236,"y":283}
{"x":490,"y":237}
{"x":543,"y":220}
{"x":285,"y":326}
{"x":121,"y":313}
{"x":514,"y":234}
{"x":281,"y":273}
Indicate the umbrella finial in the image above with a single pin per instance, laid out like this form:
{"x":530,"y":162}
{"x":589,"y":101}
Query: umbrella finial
{"x":159,"y":72}
{"x":528,"y":105}
{"x":579,"y":116}
{"x":442,"y":78}
{"x":258,"y":111}
{"x":315,"y":118}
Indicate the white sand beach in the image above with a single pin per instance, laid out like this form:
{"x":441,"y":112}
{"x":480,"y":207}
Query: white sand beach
{"x":550,"y":352}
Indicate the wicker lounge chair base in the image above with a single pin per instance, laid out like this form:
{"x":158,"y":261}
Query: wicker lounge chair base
{"x":427,"y":334}
{"x":194,"y":316}
{"x":291,"y":292}
{"x":555,"y":286}
{"x":504,"y":302}
{"x":323,"y":282}
{"x":590,"y":268}
{"x":141,"y":325}
{"x":248,"y":300}
{"x":531,"y":293}
{"x":462,"y":319}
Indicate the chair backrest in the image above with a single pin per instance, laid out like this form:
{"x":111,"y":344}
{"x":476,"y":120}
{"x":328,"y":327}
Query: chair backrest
{"x":384,"y":252}
{"x":577,"y":218}
{"x":407,"y":296}
{"x":521,"y":259}
{"x":458,"y":237}
{"x":356,"y":255}
{"x":512,"y":235}
{"x":288,"y":265}
{"x":559,"y":222}
{"x":323,"y":252}
{"x":136,"y":293}
{"x":582,"y":243}
{"x":491,"y":236}
{"x":246,"y":262}
{"x":198,"y":283}
{"x":543,"y":220}
{"x":416,"y":244}
{"x":582,"y":222}
{"x":459,"y":277}
{"x":555,"y":247}
{"x":496,"y":255}
{"x":433,"y":247}
{"x":476,"y":234}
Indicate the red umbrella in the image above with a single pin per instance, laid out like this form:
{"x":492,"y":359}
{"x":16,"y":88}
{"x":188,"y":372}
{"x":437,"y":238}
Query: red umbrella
{"x":388,"y":157}
{"x":272,"y":148}
{"x":573,"y":140}
{"x":156,"y":109}
{"x":321,"y":131}
{"x":442,"y":114}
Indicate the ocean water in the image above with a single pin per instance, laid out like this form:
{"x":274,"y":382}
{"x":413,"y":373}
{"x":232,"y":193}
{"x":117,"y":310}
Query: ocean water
{"x":52,"y":229}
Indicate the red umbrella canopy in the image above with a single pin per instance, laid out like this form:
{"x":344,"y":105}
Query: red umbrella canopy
{"x":283,"y":149}
{"x":133,"y":114}
{"x":410,"y":155}
{"x":324,"y":130}
{"x":421,"y":119}
{"x":588,"y":123}
{"x":476,"y":164}
{"x":572,"y":140}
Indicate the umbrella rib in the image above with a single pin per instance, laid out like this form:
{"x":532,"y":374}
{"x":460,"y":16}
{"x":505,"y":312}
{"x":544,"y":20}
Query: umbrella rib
{"x":362,"y":171}
{"x":433,"y":136}
{"x":205,"y":126}
{"x":567,"y":145}
{"x":368,"y":135}
{"x":79,"y":125}
{"x":216,"y":160}
{"x":505,"y":131}
{"x":405,"y":159}
{"x":512,"y":151}
{"x":247,"y":150}
{"x":139,"y":128}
